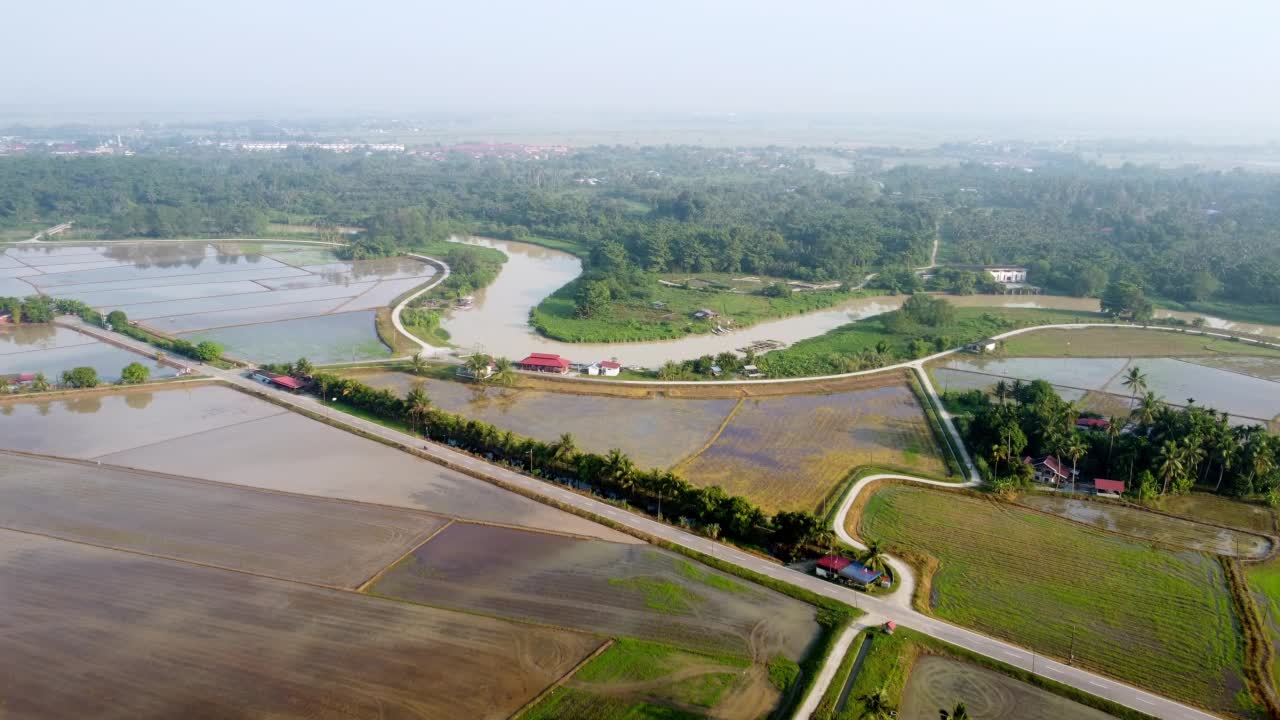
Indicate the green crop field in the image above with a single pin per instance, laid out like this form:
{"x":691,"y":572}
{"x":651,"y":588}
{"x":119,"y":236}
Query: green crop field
{"x":1124,"y":342}
{"x":1264,"y":581}
{"x":1159,"y":619}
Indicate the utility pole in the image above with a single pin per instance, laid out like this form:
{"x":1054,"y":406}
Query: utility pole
{"x":530,"y":461}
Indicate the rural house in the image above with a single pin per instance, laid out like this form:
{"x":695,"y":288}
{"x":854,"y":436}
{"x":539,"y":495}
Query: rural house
{"x":1049,"y":470}
{"x":705,"y":314}
{"x":1108,"y":488}
{"x":1008,"y":274}
{"x":842,"y":569}
{"x":829,"y":566}
{"x":544,"y":362}
{"x":1086,"y":423}
{"x":982,"y":346}
{"x":284,"y":382}
{"x":607,"y":368}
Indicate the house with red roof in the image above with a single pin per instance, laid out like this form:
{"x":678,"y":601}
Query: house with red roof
{"x":284,"y":382}
{"x":1049,"y":470}
{"x":1108,"y":488}
{"x":1088,"y":423}
{"x":544,"y":362}
{"x":829,"y":566}
{"x":607,"y":368}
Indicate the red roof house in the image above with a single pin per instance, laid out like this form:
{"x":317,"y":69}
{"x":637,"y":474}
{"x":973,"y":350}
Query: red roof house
{"x":1108,"y":487}
{"x":544,"y":362}
{"x":831,"y":565}
{"x":1049,"y":469}
{"x":291,"y":384}
{"x":1093,"y":423}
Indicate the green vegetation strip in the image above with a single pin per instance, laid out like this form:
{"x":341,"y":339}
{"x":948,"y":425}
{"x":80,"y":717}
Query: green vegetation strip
{"x":955,"y":463}
{"x":888,"y":665}
{"x":1156,"y":618}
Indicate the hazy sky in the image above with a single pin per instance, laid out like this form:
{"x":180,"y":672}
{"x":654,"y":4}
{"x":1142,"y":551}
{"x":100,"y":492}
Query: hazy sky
{"x":1199,"y":62}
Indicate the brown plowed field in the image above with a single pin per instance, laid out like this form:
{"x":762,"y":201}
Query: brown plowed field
{"x":622,"y":590}
{"x":285,"y":536}
{"x":94,"y":633}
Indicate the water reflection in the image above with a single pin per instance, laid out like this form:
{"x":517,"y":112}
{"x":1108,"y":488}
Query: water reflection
{"x":138,"y":400}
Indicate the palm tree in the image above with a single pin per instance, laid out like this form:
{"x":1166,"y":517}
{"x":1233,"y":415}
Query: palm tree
{"x":1115,"y":426}
{"x":504,"y":372}
{"x":876,"y":705}
{"x":874,"y":559}
{"x":417,"y":405}
{"x":999,"y":452}
{"x":1075,"y":449}
{"x":1136,"y":381}
{"x":1002,"y":391}
{"x":564,"y":450}
{"x":417,"y":364}
{"x":956,"y":713}
{"x":1148,"y":409}
{"x":303,"y":368}
{"x":618,"y":468}
{"x":40,"y":383}
{"x":479,"y":366}
{"x":1171,"y":462}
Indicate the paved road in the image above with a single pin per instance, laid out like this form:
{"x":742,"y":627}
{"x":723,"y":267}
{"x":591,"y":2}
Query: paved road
{"x":828,"y":671}
{"x":877,"y":609}
{"x":395,"y":313}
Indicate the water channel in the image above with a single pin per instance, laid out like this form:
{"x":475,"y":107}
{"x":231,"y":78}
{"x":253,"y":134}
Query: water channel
{"x":498,"y":323}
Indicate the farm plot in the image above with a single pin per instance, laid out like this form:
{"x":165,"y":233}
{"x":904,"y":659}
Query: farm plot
{"x":791,"y":452}
{"x":146,"y":637}
{"x":1152,"y":526}
{"x":1264,"y":582}
{"x":940,"y":682}
{"x":635,"y":678}
{"x":622,"y":590}
{"x":215,"y":433}
{"x":289,"y":537}
{"x":51,"y":349}
{"x":654,"y":432}
{"x":1135,"y":342}
{"x":215,"y":288}
{"x":1156,"y":618}
{"x":1252,"y":517}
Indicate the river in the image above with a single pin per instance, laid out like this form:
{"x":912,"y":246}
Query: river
{"x":498,"y":323}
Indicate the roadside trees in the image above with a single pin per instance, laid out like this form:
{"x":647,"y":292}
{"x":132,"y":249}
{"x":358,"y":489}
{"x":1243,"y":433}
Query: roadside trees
{"x":81,"y":377}
{"x":135,"y":373}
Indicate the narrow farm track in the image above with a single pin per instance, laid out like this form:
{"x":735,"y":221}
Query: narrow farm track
{"x":877,"y":609}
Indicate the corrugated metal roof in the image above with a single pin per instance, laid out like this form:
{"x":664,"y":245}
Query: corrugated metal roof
{"x":1115,"y":486}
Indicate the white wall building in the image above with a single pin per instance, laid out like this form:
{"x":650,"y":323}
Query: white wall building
{"x":1008,"y":274}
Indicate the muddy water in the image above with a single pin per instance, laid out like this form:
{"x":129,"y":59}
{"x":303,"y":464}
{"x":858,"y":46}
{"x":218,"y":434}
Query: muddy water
{"x":1161,"y":528}
{"x":939,"y":682}
{"x":655,"y":432}
{"x":319,"y":338}
{"x":51,"y":350}
{"x":499,"y":322}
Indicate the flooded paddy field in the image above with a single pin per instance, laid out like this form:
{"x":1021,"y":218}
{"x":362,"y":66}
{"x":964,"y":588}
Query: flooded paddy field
{"x":1246,"y":398}
{"x":51,"y":349}
{"x":940,"y":682}
{"x":1251,"y":517}
{"x":216,"y":433}
{"x":654,"y":432}
{"x":629,"y":590}
{"x":1152,"y":526}
{"x":213,"y":287}
{"x":286,"y":536}
{"x":791,"y":452}
{"x":147,"y":637}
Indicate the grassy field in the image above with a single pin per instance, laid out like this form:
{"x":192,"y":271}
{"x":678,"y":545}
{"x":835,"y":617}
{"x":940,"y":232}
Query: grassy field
{"x":1227,"y":310}
{"x":829,"y":353}
{"x":638,"y":679}
{"x":792,"y":452}
{"x":1124,"y":342}
{"x":637,"y":319}
{"x":1159,"y":619}
{"x":1264,"y":581}
{"x":1219,"y":510}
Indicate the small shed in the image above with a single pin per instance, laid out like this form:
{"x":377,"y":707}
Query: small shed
{"x":752,"y":371}
{"x":859,"y":575}
{"x":1108,"y":488}
{"x":609,"y":368}
{"x":829,"y":566}
{"x":705,"y":314}
{"x":1088,"y":423}
{"x":980,"y":347}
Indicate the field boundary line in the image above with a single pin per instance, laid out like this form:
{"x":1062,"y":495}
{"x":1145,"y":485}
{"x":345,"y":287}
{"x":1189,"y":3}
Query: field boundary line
{"x":64,"y":286}
{"x":71,"y":393}
{"x":608,"y":643}
{"x":714,"y":437}
{"x":178,"y":335}
{"x":364,"y":586}
{"x":187,"y":435}
{"x":1259,"y":652}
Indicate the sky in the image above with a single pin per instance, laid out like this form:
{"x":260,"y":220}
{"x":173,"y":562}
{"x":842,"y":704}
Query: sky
{"x":1160,"y":62}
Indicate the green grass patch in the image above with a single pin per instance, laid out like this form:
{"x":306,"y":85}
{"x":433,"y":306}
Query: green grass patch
{"x":637,"y":318}
{"x":566,"y":702}
{"x":783,"y":672}
{"x":719,"y":582}
{"x":1159,"y":619}
{"x":629,"y":659}
{"x":663,"y":596}
{"x":1227,"y":310}
{"x":1125,"y":342}
{"x":835,"y":351}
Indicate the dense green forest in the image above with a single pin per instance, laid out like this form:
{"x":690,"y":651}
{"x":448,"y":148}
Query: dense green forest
{"x":1183,"y":235}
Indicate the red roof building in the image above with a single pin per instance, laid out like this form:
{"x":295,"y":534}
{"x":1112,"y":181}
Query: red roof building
{"x":1049,"y":469}
{"x":1093,"y":423}
{"x":610,"y":365}
{"x":1108,"y":487}
{"x":544,"y":362}
{"x":291,"y":384}
{"x":831,"y":565}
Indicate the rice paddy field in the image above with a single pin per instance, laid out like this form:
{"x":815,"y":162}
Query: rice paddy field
{"x":654,"y":432}
{"x":940,"y":682}
{"x":1264,"y":582}
{"x":51,"y":349}
{"x":792,"y":452}
{"x":1157,"y":618}
{"x":1152,"y":526}
{"x":621,"y":590}
{"x":286,"y":536}
{"x":150,"y":637}
{"x":1220,"y":510}
{"x":268,"y":302}
{"x":216,"y":433}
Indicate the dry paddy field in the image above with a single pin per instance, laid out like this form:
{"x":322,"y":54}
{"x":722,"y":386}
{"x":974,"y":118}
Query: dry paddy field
{"x":792,"y":452}
{"x":91,"y":632}
{"x":940,"y":682}
{"x":621,"y":590}
{"x":216,"y":433}
{"x":1156,"y":618}
{"x":264,"y":301}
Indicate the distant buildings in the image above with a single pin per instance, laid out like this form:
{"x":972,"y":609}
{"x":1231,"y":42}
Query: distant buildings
{"x":544,"y":362}
{"x":981,"y":347}
{"x":1008,"y":274}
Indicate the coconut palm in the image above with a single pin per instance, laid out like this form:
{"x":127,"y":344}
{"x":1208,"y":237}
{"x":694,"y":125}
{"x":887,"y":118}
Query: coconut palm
{"x":564,"y":450}
{"x":417,"y":364}
{"x":1115,"y":426}
{"x":874,"y":559}
{"x":504,"y":372}
{"x":417,"y":405}
{"x":479,"y":366}
{"x":618,"y":468}
{"x":303,"y":368}
{"x":1075,"y":449}
{"x":1136,"y":381}
{"x":40,"y":383}
{"x":1171,"y":463}
{"x":1002,"y":391}
{"x":1147,"y":410}
{"x":876,"y":706}
{"x":956,"y":713}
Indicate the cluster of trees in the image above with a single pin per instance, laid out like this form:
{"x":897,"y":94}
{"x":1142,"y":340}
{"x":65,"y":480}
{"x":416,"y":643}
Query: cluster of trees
{"x":1159,"y":449}
{"x":204,"y":351}
{"x":135,"y":373}
{"x":710,"y":509}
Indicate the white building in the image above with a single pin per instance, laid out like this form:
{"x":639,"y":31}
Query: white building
{"x":1008,"y":274}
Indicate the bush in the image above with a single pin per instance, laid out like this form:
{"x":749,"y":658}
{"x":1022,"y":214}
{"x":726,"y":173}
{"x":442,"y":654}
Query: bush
{"x":81,"y":377}
{"x":135,"y":373}
{"x":207,"y":350}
